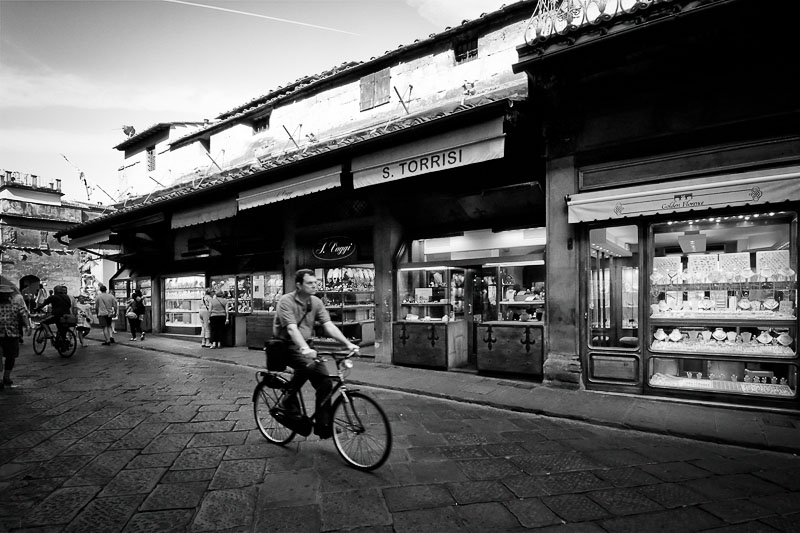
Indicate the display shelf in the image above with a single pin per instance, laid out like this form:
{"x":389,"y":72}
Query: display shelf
{"x":531,"y":303}
{"x":719,"y":385}
{"x":349,"y":296}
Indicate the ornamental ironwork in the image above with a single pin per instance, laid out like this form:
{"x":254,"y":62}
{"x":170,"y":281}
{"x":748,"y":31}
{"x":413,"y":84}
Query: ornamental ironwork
{"x":559,"y":17}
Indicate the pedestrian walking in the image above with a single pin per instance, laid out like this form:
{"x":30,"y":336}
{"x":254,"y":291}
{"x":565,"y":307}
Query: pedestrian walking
{"x":105,"y":307}
{"x":134,"y":312}
{"x":14,"y":319}
{"x":205,"y":319}
{"x":219,"y":318}
{"x":83,"y":311}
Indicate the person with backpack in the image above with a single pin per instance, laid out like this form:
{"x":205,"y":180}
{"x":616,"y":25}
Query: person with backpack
{"x":134,"y":312}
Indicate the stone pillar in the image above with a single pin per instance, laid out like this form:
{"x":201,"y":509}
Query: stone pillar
{"x":562,"y":366}
{"x":386,"y":236}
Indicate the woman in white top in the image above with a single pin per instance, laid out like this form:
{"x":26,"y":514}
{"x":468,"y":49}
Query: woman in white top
{"x":219,"y":318}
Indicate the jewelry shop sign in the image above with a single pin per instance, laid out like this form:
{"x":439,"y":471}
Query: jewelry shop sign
{"x":482,"y":142}
{"x":749,"y":188}
{"x":334,"y":248}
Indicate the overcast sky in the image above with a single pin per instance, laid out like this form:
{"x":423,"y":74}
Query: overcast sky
{"x":72,"y":73}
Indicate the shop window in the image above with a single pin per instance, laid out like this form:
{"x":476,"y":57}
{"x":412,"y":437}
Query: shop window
{"x":723,"y":305}
{"x":375,"y":89}
{"x":614,"y":287}
{"x":466,"y":51}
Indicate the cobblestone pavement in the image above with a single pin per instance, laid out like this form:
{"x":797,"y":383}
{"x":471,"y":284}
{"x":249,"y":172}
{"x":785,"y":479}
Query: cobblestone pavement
{"x":121,"y":439}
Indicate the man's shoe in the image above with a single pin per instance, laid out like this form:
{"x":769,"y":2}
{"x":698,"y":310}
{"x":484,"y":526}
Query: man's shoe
{"x":323,"y":432}
{"x":7,"y":381}
{"x":105,"y":343}
{"x":133,"y":338}
{"x":112,"y":341}
{"x":142,"y":336}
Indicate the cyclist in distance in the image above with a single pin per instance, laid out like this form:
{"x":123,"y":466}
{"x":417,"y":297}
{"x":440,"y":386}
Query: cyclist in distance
{"x":294,"y":323}
{"x":60,"y":305}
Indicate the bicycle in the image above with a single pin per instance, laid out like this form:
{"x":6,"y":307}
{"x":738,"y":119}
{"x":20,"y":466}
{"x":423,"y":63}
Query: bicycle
{"x":64,"y":340}
{"x":361,"y":431}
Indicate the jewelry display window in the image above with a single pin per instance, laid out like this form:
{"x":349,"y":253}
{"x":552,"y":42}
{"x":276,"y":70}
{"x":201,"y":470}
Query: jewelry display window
{"x":723,"y":304}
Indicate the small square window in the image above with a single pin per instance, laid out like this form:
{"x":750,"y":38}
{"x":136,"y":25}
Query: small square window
{"x":375,"y":89}
{"x":466,"y":51}
{"x":260,"y":124}
{"x":151,"y":158}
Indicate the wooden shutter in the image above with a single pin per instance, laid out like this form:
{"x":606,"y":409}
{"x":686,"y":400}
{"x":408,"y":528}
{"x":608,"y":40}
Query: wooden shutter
{"x":367,"y":92}
{"x":382,"y":87}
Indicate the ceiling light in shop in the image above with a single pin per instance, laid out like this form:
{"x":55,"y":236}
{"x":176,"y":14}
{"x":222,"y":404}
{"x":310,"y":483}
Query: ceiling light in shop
{"x":516,"y":263}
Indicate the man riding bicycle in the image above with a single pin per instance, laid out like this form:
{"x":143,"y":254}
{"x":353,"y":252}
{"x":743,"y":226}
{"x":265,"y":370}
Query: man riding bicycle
{"x":294,"y":323}
{"x":60,"y":305}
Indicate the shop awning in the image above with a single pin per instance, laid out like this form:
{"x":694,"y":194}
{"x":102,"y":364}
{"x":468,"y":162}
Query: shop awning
{"x":204,"y":213}
{"x":728,"y":190}
{"x":93,"y":240}
{"x":473,"y":144}
{"x":299,"y":186}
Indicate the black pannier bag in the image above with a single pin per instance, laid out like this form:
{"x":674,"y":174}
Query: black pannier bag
{"x":277,"y":354}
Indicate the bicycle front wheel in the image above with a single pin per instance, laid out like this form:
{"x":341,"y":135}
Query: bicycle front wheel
{"x":39,"y":340}
{"x":264,"y":399}
{"x":361,"y":431}
{"x":66,"y":343}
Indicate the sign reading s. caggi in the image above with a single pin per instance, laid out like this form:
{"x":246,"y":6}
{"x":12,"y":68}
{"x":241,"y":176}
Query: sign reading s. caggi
{"x":334,"y":248}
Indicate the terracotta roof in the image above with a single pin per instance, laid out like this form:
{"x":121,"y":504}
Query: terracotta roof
{"x":346,"y":68}
{"x":276,"y":161}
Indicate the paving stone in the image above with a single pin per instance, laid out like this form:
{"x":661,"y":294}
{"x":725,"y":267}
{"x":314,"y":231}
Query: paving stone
{"x":472,"y":439}
{"x":468,"y":492}
{"x":102,"y":468}
{"x":105,"y":515}
{"x":626,"y":477}
{"x":335,"y":477}
{"x":789,"y":523}
{"x":63,"y":420}
{"x":532,"y":513}
{"x":192,"y":458}
{"x":252,"y":451}
{"x":571,"y":482}
{"x":671,"y":495}
{"x":732,"y":486}
{"x":183,"y":476}
{"x":786,"y":478}
{"x":439,"y":519}
{"x":61,"y":466}
{"x":60,"y":507}
{"x":547,"y":464}
{"x":226,"y":509}
{"x":675,"y":471}
{"x":504,"y":449}
{"x":624,"y":501}
{"x":440,"y":472}
{"x":211,"y":416}
{"x":86,"y":448}
{"x":721,"y":465}
{"x":359,"y":508}
{"x":152,"y":460}
{"x":523,"y":436}
{"x":417,"y":497}
{"x":489,"y":468}
{"x":575,"y":507}
{"x":230,"y":438}
{"x":737,"y":511}
{"x":138,"y":481}
{"x":491,"y":516}
{"x":159,"y":522}
{"x":201,"y":427}
{"x":781,"y":503}
{"x":524,"y":486}
{"x":175,"y":496}
{"x":43,"y":451}
{"x":125,"y":421}
{"x":168,"y":443}
{"x":240,"y":473}
{"x":546,"y":447}
{"x":427,"y":439}
{"x":105,"y":435}
{"x":302,"y":519}
{"x":747,"y":527}
{"x":683,"y":519}
{"x":428,"y":453}
{"x":617,"y":458}
{"x":463,"y":451}
{"x":289,"y":489}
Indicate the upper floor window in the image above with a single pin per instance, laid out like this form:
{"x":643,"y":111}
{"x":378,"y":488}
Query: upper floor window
{"x":151,"y":158}
{"x":43,"y":235}
{"x":260,"y":124}
{"x":466,"y":51}
{"x":375,"y":89}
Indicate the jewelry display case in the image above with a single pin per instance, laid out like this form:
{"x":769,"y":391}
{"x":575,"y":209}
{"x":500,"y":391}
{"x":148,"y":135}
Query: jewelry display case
{"x":182,"y":300}
{"x":348,"y":293}
{"x":725,"y":320}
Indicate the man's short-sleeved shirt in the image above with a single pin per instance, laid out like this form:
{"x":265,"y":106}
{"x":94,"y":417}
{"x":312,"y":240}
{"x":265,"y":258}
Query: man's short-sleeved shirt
{"x":292,"y":310}
{"x":105,"y":304}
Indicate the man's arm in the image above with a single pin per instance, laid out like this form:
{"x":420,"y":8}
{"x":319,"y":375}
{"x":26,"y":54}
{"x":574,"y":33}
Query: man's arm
{"x":297,"y":338}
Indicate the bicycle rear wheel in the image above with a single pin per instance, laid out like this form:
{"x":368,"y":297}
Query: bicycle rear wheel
{"x":361,"y":431}
{"x":39,"y":340}
{"x":66,"y":342}
{"x":264,"y":399}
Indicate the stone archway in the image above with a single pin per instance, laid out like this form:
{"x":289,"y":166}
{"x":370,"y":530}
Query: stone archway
{"x":30,"y":287}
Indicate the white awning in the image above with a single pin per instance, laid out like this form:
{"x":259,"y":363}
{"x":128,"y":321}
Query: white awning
{"x":728,"y":190}
{"x":291,"y":188}
{"x":88,"y":241}
{"x":204,"y":213}
{"x":473,"y":144}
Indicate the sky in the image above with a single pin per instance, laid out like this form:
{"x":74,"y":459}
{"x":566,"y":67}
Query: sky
{"x":72,"y":73}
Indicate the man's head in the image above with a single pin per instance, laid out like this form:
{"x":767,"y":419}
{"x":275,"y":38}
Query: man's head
{"x":103,"y":288}
{"x":305,"y":281}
